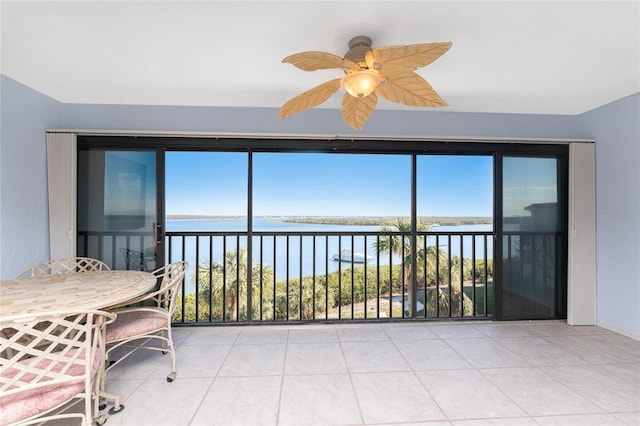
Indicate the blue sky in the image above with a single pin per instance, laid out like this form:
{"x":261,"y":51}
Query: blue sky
{"x":327,"y":184}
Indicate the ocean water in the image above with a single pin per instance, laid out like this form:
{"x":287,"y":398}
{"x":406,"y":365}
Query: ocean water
{"x":299,"y":256}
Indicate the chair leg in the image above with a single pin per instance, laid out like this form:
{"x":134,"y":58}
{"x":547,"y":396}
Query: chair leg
{"x":117,"y":407}
{"x":98,"y":419}
{"x":172,"y":375}
{"x":105,"y":396}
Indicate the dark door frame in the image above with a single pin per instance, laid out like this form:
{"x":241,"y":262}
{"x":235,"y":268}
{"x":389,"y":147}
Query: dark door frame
{"x":497,"y":149}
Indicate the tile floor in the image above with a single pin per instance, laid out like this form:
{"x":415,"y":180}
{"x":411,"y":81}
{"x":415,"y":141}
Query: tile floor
{"x":473,"y":373}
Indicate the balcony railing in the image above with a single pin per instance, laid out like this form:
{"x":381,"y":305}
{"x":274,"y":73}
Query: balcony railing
{"x":294,"y":276}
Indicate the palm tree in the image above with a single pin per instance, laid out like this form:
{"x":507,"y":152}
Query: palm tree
{"x":399,"y":242}
{"x":434,"y":262}
{"x":229,"y":282}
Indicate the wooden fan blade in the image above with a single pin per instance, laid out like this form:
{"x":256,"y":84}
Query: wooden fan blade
{"x":312,"y":61}
{"x":370,"y":60}
{"x":408,"y":57}
{"x":310,"y":98}
{"x":410,"y":89}
{"x":355,"y":111}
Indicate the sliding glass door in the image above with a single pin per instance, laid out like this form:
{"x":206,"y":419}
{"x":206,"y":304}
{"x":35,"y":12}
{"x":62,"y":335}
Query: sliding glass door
{"x":119,"y":216}
{"x":533,"y":238}
{"x":427,"y":229}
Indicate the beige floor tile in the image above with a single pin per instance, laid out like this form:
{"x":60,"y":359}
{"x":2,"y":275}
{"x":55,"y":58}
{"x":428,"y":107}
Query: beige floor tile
{"x":539,"y":351}
{"x":412,"y":333}
{"x":254,"y":360}
{"x":486,"y":353}
{"x":313,"y":336}
{"x":157,"y":402}
{"x":373,"y":357}
{"x":627,"y":372}
{"x":517,"y":421}
{"x":240,"y":401}
{"x":619,"y":342}
{"x":457,"y":331}
{"x":262,"y":337}
{"x":503,"y":330}
{"x":194,"y":361}
{"x":430,"y":355}
{"x":361,"y":334}
{"x":606,"y":391}
{"x":628,"y":418}
{"x":537,"y":393}
{"x":580,"y":420}
{"x":139,"y":365}
{"x":318,"y":400}
{"x":314,"y":358}
{"x":210,"y":336}
{"x":435,"y":374}
{"x":465,"y":394}
{"x":550,"y":328}
{"x":394,"y":397}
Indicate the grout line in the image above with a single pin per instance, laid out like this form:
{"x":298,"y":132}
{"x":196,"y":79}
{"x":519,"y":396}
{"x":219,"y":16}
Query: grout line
{"x":349,"y":375}
{"x":282,"y":376}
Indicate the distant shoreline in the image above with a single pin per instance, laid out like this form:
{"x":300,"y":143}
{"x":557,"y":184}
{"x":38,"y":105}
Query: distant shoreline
{"x":355,"y":220}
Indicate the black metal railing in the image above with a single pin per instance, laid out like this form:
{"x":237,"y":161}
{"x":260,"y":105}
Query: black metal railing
{"x":119,"y":249}
{"x":532,"y":274}
{"x":295,"y":276}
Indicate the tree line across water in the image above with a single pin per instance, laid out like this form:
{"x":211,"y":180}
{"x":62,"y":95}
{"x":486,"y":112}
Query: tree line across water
{"x":360,"y":220}
{"x":388,"y":221}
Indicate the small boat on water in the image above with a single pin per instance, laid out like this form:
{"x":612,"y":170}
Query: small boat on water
{"x":347,"y":256}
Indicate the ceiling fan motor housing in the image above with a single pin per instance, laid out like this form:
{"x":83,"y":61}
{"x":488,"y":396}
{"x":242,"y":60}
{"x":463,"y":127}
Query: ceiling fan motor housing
{"x":358,"y":48}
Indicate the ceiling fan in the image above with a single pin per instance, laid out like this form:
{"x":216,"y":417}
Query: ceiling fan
{"x":387,"y":72}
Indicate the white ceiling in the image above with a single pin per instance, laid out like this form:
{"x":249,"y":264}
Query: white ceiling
{"x":519,"y":57}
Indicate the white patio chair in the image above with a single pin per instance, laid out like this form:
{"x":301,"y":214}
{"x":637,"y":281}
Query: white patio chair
{"x":135,"y":327}
{"x":65,"y":266}
{"x":49,"y":363}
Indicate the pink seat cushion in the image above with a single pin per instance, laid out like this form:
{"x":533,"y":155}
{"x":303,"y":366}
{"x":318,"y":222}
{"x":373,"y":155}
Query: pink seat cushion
{"x":28,"y":403}
{"x":136,"y":322}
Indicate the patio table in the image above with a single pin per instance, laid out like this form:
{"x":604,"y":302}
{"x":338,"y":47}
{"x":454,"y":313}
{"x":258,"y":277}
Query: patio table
{"x":74,"y":291}
{"x":69,"y":292}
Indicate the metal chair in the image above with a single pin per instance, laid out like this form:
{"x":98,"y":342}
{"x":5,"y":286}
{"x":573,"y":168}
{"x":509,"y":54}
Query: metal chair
{"x":49,"y":363}
{"x":136,"y":260}
{"x":135,"y":327}
{"x":65,"y":266}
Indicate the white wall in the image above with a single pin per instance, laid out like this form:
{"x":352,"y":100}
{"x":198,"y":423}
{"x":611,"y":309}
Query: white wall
{"x":24,"y":228}
{"x":616,"y":130}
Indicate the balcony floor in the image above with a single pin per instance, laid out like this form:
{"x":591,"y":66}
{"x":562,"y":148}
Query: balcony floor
{"x":516,"y":373}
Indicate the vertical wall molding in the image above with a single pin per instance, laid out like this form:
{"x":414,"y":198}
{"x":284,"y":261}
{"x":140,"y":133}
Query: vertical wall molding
{"x":581,"y":271}
{"x":62,"y":187}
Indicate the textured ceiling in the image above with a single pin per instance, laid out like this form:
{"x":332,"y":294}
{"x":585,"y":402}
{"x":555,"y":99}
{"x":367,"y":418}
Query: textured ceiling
{"x":515,"y":57}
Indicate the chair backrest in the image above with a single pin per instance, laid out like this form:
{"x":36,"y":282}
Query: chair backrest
{"x":170,"y":277}
{"x":42,"y":354}
{"x":65,"y":266}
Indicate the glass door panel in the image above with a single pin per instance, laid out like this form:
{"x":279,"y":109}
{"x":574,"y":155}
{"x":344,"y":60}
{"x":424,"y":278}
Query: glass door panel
{"x":533,"y":284}
{"x":454,"y":199}
{"x":350,"y":197}
{"x":206,"y":225}
{"x":118,"y":220}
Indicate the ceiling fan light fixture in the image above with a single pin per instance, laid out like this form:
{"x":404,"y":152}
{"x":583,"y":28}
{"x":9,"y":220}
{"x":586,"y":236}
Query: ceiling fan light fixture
{"x":360,"y":84}
{"x":369,"y":74}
